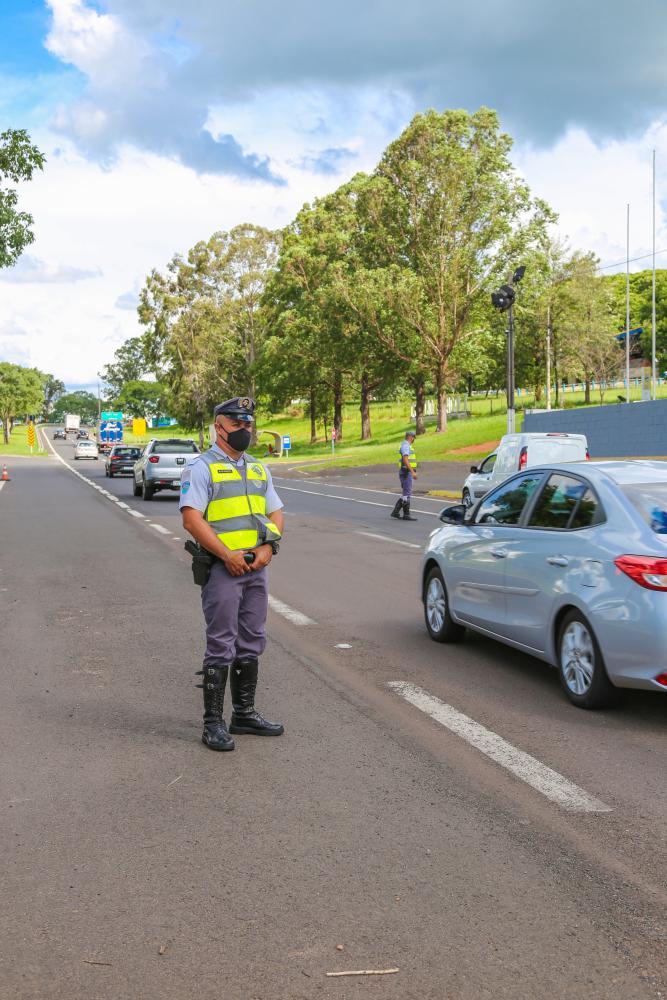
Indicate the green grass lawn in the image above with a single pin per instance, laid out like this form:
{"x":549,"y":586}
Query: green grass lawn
{"x":389,"y":421}
{"x":18,"y":444}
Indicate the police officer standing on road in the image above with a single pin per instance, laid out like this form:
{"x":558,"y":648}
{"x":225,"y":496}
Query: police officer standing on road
{"x":407,"y":472}
{"x":231,"y":509}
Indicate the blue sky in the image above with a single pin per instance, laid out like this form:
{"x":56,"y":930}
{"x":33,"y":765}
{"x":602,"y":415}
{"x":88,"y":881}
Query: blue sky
{"x":163,"y":121}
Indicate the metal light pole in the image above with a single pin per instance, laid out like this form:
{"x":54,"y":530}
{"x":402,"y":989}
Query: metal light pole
{"x":511,"y":413}
{"x":549,"y":356}
{"x":654,"y":381}
{"x":503,"y":300}
{"x":627,"y":310}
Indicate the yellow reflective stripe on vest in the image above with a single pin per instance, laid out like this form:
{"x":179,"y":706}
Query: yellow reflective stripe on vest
{"x":220,"y":510}
{"x":236,"y":540}
{"x":412,"y":460}
{"x":224,"y":473}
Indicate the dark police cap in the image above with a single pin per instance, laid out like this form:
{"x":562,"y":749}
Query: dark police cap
{"x":240,"y":408}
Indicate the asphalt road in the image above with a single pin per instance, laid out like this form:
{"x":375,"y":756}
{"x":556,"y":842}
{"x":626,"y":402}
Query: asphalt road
{"x":137,"y":864}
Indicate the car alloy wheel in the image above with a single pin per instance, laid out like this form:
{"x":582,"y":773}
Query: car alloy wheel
{"x":466,"y":498}
{"x":439,"y":623}
{"x":582,"y":671}
{"x":577,"y":658}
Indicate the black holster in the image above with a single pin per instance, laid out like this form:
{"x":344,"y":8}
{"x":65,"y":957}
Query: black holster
{"x":202,"y":560}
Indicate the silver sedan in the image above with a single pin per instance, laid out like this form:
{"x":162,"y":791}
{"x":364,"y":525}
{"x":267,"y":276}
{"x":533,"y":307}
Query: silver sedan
{"x":568,"y":564}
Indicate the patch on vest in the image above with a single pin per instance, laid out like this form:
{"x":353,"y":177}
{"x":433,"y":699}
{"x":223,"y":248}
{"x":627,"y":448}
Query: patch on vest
{"x":257,"y":469}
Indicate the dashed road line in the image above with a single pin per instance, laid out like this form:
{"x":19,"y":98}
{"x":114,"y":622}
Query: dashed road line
{"x":159,"y":527}
{"x":370,"y":503}
{"x":527,"y":768}
{"x":388,"y":538}
{"x":296,"y":617}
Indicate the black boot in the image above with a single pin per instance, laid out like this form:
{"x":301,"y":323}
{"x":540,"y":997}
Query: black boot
{"x":407,"y":516}
{"x":245,"y":718}
{"x":215,"y":735}
{"x":396,"y":512}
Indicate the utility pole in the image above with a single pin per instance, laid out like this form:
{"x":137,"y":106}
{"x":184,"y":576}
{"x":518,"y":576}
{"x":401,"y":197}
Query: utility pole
{"x":627,"y":310}
{"x":654,"y":381}
{"x":549,"y":356}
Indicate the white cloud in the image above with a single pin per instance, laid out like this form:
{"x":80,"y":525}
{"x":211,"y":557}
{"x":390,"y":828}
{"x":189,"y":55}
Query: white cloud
{"x":121,"y":222}
{"x":32,"y":270}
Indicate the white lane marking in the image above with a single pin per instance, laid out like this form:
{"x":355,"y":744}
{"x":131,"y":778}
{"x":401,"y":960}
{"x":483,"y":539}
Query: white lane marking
{"x":543,"y":779}
{"x":125,"y":506}
{"x":387,"y":538}
{"x":2,"y":484}
{"x":158,"y":527}
{"x":136,"y":513}
{"x":343,"y":645}
{"x":296,"y":617}
{"x":370,"y":503}
{"x":361,"y":489}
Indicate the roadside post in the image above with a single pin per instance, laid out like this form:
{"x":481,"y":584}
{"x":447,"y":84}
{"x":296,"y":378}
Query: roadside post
{"x":333,"y":440}
{"x":31,"y":436}
{"x":287,"y":444}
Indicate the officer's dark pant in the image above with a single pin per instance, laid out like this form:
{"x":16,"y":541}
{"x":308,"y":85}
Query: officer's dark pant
{"x":405,"y":477}
{"x":235,"y":609}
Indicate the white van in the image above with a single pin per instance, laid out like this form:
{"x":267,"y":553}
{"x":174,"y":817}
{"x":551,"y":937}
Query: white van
{"x":520,"y":451}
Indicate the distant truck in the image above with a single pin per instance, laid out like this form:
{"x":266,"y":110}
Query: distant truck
{"x":109,"y":433}
{"x":72,"y":422}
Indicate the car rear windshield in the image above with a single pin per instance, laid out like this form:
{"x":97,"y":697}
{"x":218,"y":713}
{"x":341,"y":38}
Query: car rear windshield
{"x":126,"y":452}
{"x":650,"y":499}
{"x":175,"y":448}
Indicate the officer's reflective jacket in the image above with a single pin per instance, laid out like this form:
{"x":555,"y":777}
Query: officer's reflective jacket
{"x":412,"y":459}
{"x":237,"y":511}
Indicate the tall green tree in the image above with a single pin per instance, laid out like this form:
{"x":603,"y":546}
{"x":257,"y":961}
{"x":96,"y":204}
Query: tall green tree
{"x":84,"y":403}
{"x":141,"y":398}
{"x":129,"y":365}
{"x":21,"y":393}
{"x":19,"y":159}
{"x":53,"y":388}
{"x":448,"y":215}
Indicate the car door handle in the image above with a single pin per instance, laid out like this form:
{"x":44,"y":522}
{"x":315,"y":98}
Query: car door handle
{"x":558,"y":561}
{"x":499,"y":553}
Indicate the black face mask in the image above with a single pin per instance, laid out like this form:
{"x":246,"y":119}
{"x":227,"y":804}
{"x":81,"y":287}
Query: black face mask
{"x":238,"y":440}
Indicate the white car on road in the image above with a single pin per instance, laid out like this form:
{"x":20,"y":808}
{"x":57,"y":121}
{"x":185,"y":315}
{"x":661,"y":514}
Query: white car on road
{"x":86,"y":449}
{"x":517,"y":452}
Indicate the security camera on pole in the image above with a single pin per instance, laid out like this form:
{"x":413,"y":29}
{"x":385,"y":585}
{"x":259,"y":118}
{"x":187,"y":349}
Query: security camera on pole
{"x":503,"y":300}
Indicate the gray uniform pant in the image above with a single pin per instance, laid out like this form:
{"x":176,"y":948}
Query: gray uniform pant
{"x":405,"y":477}
{"x":235,"y":609}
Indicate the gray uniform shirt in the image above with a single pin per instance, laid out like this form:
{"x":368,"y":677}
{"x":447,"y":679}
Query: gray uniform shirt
{"x":197,"y":488}
{"x":404,"y":450}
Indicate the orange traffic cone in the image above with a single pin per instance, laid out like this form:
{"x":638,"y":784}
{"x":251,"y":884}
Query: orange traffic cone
{"x":4,"y":478}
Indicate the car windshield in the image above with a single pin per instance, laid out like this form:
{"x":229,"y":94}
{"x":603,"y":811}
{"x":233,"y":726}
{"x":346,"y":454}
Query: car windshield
{"x":126,"y":452}
{"x":175,"y":448}
{"x":650,"y":500}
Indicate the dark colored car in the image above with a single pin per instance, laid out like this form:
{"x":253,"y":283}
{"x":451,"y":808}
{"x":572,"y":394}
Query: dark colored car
{"x":59,"y":433}
{"x":81,"y":434}
{"x":120,"y":460}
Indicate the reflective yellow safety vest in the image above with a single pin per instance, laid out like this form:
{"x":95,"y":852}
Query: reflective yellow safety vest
{"x":237,"y":511}
{"x":412,"y":459}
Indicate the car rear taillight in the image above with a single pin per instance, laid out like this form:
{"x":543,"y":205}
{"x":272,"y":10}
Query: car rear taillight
{"x":662,"y":679}
{"x":523,"y":459}
{"x":588,"y":455}
{"x":647,"y":571}
{"x":154,"y":459}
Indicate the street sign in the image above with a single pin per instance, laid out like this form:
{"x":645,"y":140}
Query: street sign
{"x":111,"y":430}
{"x":111,"y":415}
{"x":31,"y":435}
{"x":287,"y":442}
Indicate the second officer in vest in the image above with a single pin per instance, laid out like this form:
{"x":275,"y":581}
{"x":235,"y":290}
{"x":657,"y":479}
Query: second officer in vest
{"x":230,"y":507}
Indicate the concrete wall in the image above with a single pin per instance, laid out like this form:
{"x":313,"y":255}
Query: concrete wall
{"x":628,"y":430}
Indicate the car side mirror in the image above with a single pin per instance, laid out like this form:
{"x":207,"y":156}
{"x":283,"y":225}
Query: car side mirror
{"x":473,"y":468}
{"x":453,"y":515}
